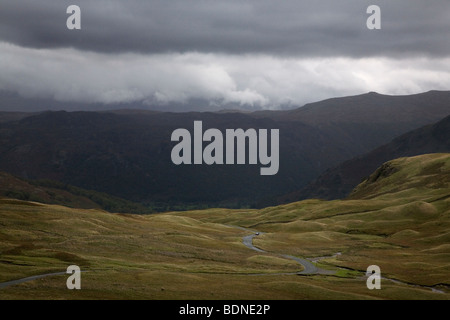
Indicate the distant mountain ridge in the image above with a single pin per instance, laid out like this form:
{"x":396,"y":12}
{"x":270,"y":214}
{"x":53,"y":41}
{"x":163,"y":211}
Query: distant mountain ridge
{"x":339,"y":181}
{"x":126,"y":153}
{"x":370,"y":107}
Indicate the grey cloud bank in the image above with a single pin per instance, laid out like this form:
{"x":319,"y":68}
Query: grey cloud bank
{"x":290,"y":27}
{"x":252,"y":54}
{"x":245,"y":80}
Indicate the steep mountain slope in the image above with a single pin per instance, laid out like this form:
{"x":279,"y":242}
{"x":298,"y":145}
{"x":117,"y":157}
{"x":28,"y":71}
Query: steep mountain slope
{"x":372,"y":119}
{"x":127,"y":153}
{"x":339,"y":181}
{"x":407,"y":174}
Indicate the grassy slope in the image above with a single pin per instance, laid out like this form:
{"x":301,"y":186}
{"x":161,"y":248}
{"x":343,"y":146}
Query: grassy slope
{"x":53,"y":192}
{"x":397,"y":219}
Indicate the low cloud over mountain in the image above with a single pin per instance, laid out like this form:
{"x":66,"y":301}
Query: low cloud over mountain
{"x":247,"y":55}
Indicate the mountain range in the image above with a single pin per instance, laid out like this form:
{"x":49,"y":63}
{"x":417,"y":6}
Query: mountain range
{"x":338,"y":182}
{"x":126,"y":153}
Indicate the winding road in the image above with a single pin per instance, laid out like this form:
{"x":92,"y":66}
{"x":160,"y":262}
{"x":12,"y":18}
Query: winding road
{"x":18,"y":281}
{"x":308,"y":266}
{"x":248,"y":241}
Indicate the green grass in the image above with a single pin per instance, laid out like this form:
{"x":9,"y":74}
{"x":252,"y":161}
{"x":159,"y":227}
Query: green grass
{"x":400,"y":224}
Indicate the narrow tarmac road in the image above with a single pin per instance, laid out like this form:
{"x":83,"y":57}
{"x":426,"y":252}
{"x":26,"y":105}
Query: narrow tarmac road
{"x":14,"y":282}
{"x":308,"y":266}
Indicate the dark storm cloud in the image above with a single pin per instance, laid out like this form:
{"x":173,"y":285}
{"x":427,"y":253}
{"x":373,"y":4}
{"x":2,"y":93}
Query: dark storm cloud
{"x":291,"y":27}
{"x":249,"y":54}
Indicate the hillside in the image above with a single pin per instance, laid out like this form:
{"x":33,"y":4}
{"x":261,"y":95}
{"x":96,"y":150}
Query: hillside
{"x":128,"y":156}
{"x":53,"y":192}
{"x":398,"y":219}
{"x":126,"y":153}
{"x":405,"y":175}
{"x":373,"y":107}
{"x":337,"y":182}
{"x":370,"y":120}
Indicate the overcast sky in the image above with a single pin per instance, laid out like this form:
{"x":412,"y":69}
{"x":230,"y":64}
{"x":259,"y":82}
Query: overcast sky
{"x":253,"y":54}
